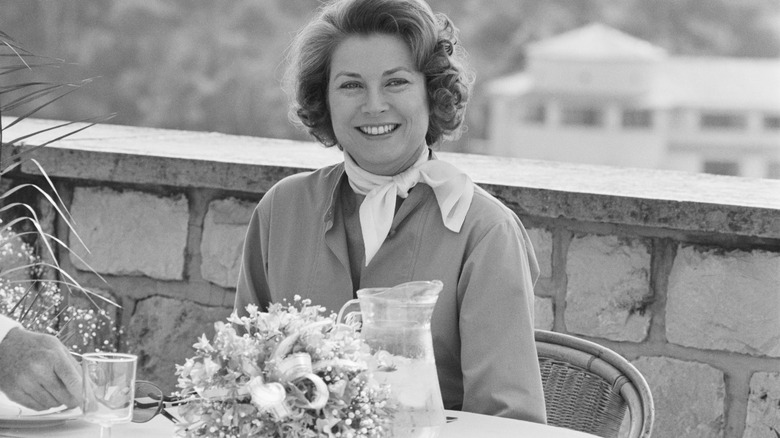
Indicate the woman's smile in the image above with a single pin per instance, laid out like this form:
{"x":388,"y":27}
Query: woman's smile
{"x":377,"y":130}
{"x":378,"y":102}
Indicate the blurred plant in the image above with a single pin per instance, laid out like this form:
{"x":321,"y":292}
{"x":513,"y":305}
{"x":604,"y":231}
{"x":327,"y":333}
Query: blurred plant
{"x":30,"y":297}
{"x":34,"y":289}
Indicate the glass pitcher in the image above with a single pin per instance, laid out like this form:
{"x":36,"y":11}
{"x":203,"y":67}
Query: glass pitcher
{"x":396,"y":325}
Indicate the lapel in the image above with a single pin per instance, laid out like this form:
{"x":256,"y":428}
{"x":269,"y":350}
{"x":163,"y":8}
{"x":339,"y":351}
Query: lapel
{"x":335,"y":235}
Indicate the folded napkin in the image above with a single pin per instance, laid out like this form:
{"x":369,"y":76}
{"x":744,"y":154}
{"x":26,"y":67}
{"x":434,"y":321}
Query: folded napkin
{"x":9,"y":408}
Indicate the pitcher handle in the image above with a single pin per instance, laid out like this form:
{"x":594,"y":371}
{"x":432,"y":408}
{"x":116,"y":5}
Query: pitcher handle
{"x":350,"y":317}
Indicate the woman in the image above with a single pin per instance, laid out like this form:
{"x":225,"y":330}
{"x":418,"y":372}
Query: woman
{"x":383,"y":81}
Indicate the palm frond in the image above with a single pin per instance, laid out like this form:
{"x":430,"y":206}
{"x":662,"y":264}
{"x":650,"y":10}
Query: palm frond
{"x":22,"y":299}
{"x":43,"y":193}
{"x":67,"y":248}
{"x":20,"y":155}
{"x":40,"y":94}
{"x":18,"y":51}
{"x":35,"y":95}
{"x":68,"y":283}
{"x":38,"y":300}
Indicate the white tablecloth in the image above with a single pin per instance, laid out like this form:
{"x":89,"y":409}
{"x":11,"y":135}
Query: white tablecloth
{"x":467,"y":425}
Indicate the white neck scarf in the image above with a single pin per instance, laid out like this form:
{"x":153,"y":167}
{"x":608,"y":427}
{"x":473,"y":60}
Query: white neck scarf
{"x":452,"y":187}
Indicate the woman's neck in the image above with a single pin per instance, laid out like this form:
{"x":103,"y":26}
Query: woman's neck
{"x":395,"y":170}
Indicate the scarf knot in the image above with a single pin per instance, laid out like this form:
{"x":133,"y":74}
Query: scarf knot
{"x":453,"y":189}
{"x":404,"y":181}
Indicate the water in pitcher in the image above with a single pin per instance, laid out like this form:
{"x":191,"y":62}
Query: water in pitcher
{"x":403,"y":358}
{"x":396,"y":324}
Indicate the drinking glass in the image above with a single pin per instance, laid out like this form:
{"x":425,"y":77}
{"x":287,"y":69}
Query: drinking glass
{"x":109,"y":382}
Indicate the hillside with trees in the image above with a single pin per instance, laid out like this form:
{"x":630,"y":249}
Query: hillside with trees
{"x":216,"y":65}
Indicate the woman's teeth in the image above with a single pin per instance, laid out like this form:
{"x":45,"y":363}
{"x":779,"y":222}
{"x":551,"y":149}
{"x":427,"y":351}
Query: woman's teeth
{"x":377,"y":130}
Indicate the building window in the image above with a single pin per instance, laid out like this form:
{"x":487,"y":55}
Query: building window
{"x":722,"y":121}
{"x":721,"y":167}
{"x":533,"y":114}
{"x":772,"y":122}
{"x":677,"y":119}
{"x":637,"y":118}
{"x":582,"y":116}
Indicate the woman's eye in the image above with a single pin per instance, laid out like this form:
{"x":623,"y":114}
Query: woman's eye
{"x":349,"y":85}
{"x":397,"y":82}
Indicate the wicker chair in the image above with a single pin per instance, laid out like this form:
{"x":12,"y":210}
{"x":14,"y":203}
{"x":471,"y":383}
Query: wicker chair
{"x":587,"y":387}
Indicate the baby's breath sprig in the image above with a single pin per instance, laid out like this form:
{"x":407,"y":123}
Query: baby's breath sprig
{"x":29,"y":296}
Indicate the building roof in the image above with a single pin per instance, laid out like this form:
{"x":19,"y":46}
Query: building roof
{"x":595,"y":41}
{"x":719,"y":83}
{"x":688,"y":82}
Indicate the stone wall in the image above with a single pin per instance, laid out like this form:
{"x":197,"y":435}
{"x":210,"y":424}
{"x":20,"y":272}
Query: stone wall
{"x":680,"y":273}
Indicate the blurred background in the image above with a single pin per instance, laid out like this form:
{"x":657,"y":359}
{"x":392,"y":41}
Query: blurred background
{"x":556,"y":79}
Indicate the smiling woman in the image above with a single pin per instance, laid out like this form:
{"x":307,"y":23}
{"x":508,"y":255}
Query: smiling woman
{"x":383,"y":80}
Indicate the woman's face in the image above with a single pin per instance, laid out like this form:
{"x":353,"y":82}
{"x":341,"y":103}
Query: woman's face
{"x":378,"y":103}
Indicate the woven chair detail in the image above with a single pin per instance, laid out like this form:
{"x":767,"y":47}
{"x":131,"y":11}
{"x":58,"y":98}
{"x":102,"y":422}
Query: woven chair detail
{"x":589,"y":388}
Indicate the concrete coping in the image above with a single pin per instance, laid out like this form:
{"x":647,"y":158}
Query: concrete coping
{"x":631,"y":196}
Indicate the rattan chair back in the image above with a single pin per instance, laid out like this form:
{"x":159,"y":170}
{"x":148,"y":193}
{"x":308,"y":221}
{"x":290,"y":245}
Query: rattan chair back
{"x":589,"y":388}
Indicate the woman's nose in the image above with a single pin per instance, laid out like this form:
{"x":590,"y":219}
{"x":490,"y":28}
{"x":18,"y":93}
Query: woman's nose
{"x":375,"y":102}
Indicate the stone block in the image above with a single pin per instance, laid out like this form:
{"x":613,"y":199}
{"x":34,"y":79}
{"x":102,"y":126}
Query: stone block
{"x":720,"y":300}
{"x":544,"y":316}
{"x":763,"y":411}
{"x":689,"y":397}
{"x":542,"y":241}
{"x":224,"y":229}
{"x":162,"y":331}
{"x":608,"y":290}
{"x":130,"y":232}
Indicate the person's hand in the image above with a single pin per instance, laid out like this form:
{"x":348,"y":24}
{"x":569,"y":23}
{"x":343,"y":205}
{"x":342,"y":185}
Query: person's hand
{"x":38,"y":372}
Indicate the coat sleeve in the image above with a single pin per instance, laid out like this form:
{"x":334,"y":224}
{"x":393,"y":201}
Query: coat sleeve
{"x":252,"y":285}
{"x":498,"y":352}
{"x":6,"y":325}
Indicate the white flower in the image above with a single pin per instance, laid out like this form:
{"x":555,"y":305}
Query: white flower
{"x":338,"y":388}
{"x":203,"y":343}
{"x":214,"y":393}
{"x":186,"y":369}
{"x":202,"y":372}
{"x":250,"y":368}
{"x":234,"y":319}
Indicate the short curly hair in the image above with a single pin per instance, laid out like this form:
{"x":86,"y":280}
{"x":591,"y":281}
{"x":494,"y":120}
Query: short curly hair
{"x":432,"y":39}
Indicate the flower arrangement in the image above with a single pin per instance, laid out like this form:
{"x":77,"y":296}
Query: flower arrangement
{"x":292,"y":373}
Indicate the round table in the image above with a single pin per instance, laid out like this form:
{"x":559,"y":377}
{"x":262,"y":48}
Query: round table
{"x":465,"y":425}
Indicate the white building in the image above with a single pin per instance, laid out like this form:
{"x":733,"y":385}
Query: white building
{"x":596,"y":95}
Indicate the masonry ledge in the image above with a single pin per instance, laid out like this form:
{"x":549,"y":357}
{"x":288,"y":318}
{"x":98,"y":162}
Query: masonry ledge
{"x":630,"y":196}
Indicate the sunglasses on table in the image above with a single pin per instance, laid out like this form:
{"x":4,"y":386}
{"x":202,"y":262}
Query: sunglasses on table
{"x":150,"y":402}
